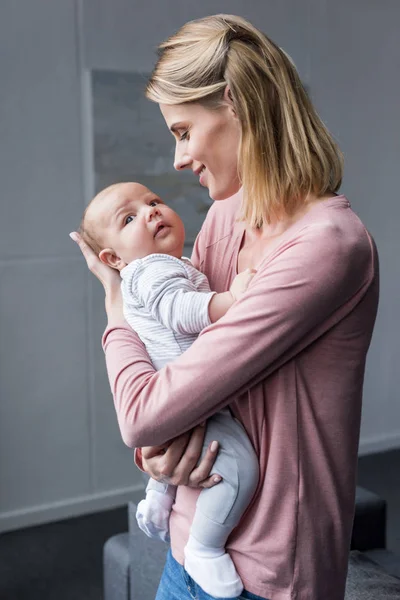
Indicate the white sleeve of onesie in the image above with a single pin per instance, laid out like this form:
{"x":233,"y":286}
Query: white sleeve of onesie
{"x":162,"y":284}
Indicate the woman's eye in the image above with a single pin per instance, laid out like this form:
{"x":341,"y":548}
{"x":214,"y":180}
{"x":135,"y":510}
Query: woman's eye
{"x":184,"y":136}
{"x":129,"y":219}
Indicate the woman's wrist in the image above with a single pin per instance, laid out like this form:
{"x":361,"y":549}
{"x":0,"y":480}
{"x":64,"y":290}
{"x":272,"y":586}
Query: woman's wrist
{"x":113,"y":303}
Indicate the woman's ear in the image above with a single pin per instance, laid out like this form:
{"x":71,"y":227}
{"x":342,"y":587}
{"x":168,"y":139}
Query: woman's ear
{"x":229,"y":98}
{"x":108,"y":257}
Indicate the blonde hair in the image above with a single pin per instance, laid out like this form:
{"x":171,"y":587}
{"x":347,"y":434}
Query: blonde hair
{"x":285,"y":151}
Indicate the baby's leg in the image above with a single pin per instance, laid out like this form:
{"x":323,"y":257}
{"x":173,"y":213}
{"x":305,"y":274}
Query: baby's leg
{"x":220,"y":508}
{"x":153,"y":512}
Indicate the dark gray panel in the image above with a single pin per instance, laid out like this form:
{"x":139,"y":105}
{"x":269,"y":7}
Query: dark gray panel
{"x":132,"y":143}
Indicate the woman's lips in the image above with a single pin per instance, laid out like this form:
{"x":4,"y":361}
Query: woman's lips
{"x":202,"y":177}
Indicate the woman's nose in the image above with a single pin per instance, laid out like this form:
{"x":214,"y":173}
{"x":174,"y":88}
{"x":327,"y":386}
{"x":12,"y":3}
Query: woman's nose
{"x":182,"y":160}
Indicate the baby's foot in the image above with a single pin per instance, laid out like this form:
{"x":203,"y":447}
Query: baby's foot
{"x":212,"y":569}
{"x":152,"y":515}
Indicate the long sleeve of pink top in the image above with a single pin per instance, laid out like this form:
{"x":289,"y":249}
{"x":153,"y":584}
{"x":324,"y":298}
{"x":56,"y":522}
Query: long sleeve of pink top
{"x":289,"y":358}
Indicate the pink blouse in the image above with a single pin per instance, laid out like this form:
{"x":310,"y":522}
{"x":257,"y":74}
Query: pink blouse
{"x":289,"y":359}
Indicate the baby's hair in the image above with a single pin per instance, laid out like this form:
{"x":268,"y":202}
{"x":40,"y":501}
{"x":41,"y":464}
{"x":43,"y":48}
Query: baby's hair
{"x":88,"y":234}
{"x":87,"y":229}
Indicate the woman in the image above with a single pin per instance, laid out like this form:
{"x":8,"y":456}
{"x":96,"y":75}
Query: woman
{"x":289,"y":357}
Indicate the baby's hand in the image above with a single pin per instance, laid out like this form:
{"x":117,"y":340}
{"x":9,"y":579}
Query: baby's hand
{"x":241,"y":283}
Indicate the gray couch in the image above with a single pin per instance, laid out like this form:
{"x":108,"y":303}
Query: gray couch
{"x":133,"y":563}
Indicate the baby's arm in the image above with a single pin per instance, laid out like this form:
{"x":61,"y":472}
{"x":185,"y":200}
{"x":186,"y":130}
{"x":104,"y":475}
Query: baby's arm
{"x":221,"y":303}
{"x":161,"y":284}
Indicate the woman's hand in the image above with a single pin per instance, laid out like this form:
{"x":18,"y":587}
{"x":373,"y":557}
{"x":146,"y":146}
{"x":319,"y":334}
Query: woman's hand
{"x":108,"y":277}
{"x":177,"y":464}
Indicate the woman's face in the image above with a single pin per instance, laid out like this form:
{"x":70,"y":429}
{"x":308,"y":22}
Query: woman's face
{"x":207,"y":142}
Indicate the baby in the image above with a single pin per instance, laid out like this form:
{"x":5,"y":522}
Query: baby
{"x":168,"y":302}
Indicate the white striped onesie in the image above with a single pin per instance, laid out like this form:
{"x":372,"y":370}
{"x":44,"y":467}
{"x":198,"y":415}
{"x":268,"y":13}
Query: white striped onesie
{"x":166,"y":302}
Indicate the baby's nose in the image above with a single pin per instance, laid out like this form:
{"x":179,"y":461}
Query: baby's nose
{"x":152,"y":212}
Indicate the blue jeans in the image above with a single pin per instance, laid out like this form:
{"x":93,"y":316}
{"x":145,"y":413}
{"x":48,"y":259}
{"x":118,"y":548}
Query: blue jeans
{"x":176,"y":584}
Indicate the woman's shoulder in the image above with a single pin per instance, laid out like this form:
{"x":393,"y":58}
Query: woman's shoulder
{"x":334,"y":233}
{"x":335,"y":221}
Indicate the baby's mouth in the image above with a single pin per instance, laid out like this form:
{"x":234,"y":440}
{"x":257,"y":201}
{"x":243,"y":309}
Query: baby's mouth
{"x":159,"y":228}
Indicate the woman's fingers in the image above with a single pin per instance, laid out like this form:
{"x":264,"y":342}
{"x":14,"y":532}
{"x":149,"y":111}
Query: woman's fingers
{"x":93,"y":262}
{"x":108,"y":277}
{"x":153,"y":461}
{"x":172,"y":458}
{"x":200,"y":476}
{"x":178,"y":464}
{"x":152,"y":451}
{"x":87,"y":252}
{"x":189,"y":471}
{"x":190,"y":456}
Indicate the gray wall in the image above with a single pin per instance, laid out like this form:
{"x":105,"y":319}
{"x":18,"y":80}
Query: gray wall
{"x":60,"y":449}
{"x":355,"y":79}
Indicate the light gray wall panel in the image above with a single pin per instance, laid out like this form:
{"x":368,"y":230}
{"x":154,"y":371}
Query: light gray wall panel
{"x":45,"y":421}
{"x":40,"y":153}
{"x":123,"y":35}
{"x":44,"y":442}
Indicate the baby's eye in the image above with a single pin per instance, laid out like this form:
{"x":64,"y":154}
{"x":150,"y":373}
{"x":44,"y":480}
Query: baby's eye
{"x":154,"y":203}
{"x":129,"y":219}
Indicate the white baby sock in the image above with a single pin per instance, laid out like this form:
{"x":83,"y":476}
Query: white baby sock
{"x":152,"y":515}
{"x":212,"y":569}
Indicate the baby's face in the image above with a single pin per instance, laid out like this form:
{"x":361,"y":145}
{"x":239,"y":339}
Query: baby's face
{"x":136,"y":223}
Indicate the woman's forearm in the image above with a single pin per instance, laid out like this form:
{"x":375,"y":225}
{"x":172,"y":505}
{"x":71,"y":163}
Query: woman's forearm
{"x":113,"y":305}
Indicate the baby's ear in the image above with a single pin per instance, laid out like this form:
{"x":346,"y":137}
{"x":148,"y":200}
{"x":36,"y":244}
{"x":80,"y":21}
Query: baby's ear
{"x":108,"y":257}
